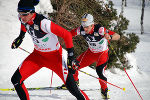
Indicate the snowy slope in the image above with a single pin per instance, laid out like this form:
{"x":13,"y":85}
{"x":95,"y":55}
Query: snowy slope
{"x":133,"y":13}
{"x":10,"y":59}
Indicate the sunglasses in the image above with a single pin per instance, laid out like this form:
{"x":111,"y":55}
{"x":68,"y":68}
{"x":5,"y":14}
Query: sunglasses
{"x":25,"y":14}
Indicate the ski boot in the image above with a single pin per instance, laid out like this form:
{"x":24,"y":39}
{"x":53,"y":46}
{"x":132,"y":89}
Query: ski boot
{"x":104,"y":94}
{"x":64,"y":87}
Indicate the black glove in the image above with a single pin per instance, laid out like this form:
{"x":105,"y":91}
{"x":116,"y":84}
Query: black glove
{"x":75,"y":64}
{"x":16,"y":43}
{"x":70,"y":61}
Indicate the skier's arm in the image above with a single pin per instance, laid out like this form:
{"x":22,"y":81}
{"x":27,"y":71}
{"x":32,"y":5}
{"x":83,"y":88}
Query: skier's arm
{"x":49,"y":27}
{"x":66,"y":35}
{"x":110,"y":35}
{"x":75,"y":31}
{"x":22,"y":31}
{"x":63,"y":33}
{"x":16,"y":43}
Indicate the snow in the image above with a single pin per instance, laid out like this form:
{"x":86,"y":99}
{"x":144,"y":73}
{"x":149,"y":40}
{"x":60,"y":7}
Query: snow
{"x":10,"y":59}
{"x":133,"y":13}
{"x":44,"y":7}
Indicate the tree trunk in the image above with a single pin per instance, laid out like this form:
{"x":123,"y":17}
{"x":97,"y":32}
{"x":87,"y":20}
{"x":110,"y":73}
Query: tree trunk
{"x":125,"y":3}
{"x":142,"y":16}
{"x":122,"y":7}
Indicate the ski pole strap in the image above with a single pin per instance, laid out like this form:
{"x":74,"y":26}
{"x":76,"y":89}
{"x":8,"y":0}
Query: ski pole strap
{"x":102,"y":80}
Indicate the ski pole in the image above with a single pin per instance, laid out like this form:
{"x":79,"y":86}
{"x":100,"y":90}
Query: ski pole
{"x":24,"y":50}
{"x":133,"y":84}
{"x":101,"y":80}
{"x":125,"y":71}
{"x":51,"y":81}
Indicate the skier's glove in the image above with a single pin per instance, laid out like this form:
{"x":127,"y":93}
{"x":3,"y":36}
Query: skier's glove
{"x":75,"y":64}
{"x":16,"y":43}
{"x":71,"y":61}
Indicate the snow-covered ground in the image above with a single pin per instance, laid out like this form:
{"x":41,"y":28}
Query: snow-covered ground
{"x":10,"y":59}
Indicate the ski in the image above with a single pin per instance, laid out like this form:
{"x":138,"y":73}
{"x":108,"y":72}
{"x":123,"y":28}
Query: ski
{"x":39,"y":88}
{"x":45,"y":88}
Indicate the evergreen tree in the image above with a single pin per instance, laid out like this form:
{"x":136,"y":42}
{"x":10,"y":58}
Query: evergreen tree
{"x":68,"y":13}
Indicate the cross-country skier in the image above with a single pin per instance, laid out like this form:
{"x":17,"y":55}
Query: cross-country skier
{"x":97,"y":38}
{"x":47,"y":50}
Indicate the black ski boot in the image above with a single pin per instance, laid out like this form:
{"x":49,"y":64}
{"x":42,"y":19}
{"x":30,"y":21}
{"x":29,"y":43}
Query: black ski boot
{"x":104,"y":94}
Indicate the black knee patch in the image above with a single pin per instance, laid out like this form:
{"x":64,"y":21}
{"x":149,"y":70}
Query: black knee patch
{"x":99,"y":70}
{"x":16,"y":78}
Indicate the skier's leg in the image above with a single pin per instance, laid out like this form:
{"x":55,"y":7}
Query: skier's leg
{"x":100,"y":68}
{"x":100,"y":73}
{"x":73,"y":88}
{"x":104,"y":89}
{"x":19,"y":86}
{"x":59,"y":66}
{"x":26,"y":69}
{"x":85,"y":59}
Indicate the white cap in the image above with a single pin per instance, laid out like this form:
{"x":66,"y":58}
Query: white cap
{"x":87,"y":19}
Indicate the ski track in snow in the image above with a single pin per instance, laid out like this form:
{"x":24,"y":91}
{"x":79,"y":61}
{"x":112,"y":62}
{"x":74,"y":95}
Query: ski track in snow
{"x":10,"y":59}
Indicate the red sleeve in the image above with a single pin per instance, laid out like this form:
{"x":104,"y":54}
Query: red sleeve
{"x":63,"y":33}
{"x":23,"y":28}
{"x":74,"y":32}
{"x":109,"y":32}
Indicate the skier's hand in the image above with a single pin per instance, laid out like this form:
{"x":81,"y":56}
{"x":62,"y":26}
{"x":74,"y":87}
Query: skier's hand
{"x":70,"y":60}
{"x":74,"y":67}
{"x":107,"y":36}
{"x":75,"y":64}
{"x":16,"y":43}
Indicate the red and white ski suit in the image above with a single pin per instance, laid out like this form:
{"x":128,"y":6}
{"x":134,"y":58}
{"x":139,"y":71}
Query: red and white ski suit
{"x":47,"y":53}
{"x":97,"y":51}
